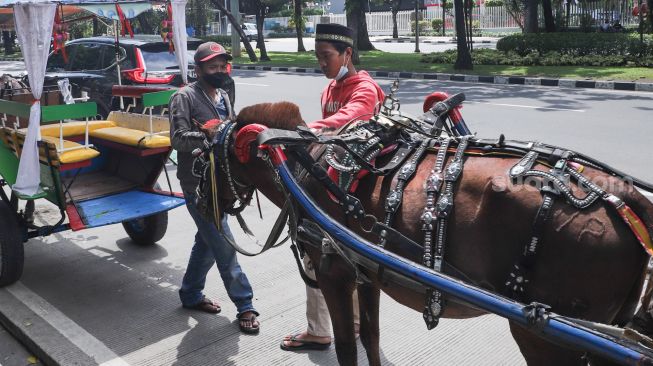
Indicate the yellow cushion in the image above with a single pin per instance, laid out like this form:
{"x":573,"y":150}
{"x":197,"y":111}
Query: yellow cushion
{"x":72,"y":156}
{"x":74,"y":128}
{"x":131,"y":137}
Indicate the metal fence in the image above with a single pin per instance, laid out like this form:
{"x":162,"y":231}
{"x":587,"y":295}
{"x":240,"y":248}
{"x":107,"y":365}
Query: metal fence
{"x":496,"y":18}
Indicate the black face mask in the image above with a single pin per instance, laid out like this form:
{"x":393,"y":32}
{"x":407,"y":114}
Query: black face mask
{"x":218,"y":80}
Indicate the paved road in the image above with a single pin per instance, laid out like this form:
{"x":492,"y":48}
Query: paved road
{"x":96,"y":298}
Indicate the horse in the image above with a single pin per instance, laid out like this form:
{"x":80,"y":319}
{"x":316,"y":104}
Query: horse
{"x":589,"y":265}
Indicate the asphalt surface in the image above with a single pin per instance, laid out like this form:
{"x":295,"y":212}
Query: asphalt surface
{"x":93,"y":297}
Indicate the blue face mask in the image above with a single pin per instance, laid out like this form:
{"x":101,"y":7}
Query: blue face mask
{"x":342,"y":72}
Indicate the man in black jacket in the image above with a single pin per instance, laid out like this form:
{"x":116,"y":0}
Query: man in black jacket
{"x":191,"y":106}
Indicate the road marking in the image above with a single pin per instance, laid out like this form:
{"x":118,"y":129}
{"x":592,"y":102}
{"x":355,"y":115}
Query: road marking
{"x":528,"y":106}
{"x":66,"y":326}
{"x":251,"y":84}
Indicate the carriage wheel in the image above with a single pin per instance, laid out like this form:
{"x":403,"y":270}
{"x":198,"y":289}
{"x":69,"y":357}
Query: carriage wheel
{"x":147,"y":230}
{"x":12,"y":256}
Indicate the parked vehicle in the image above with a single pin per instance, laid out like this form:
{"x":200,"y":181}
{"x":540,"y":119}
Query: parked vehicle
{"x":249,"y":29}
{"x":92,"y":66}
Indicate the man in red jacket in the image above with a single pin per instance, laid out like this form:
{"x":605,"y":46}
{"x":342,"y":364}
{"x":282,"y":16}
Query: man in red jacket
{"x":351,"y":95}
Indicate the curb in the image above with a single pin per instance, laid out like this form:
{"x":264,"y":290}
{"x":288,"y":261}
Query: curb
{"x":504,"y":80}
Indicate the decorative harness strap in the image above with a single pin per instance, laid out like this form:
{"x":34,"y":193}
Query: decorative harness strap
{"x":394,"y":199}
{"x":439,"y":211}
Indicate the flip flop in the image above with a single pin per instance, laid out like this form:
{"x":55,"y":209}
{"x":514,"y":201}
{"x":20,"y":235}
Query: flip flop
{"x":304,"y":345}
{"x":206,"y":305}
{"x":251,"y":329}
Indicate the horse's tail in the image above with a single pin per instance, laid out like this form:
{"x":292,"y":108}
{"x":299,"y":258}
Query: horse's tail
{"x":642,"y":321}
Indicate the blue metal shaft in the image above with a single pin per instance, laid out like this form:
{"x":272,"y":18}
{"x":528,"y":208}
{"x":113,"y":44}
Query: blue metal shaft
{"x":556,"y":329}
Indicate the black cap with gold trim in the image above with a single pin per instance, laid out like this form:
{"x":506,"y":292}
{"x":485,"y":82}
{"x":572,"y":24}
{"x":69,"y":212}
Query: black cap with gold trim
{"x":334,"y":33}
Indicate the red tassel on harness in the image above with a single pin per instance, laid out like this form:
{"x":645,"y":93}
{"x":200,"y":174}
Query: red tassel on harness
{"x":125,"y":24}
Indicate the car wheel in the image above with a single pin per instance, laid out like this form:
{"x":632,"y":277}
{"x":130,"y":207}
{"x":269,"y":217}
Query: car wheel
{"x":12,"y":256}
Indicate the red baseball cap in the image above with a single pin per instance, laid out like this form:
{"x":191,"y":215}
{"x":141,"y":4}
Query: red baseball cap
{"x":209,"y":50}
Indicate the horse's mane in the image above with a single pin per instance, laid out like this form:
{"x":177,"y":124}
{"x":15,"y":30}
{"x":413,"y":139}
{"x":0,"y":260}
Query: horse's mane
{"x":280,"y":115}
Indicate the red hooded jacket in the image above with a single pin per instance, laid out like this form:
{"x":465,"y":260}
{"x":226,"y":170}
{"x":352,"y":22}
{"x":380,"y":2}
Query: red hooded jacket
{"x":354,"y":97}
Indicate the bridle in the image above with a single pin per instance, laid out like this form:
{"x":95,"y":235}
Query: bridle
{"x":221,"y":143}
{"x":243,"y":193}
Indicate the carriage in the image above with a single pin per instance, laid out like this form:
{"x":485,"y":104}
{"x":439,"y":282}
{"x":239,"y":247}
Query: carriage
{"x":95,"y":171}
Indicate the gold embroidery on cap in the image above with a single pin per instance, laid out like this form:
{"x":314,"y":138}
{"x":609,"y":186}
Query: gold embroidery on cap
{"x":334,"y":37}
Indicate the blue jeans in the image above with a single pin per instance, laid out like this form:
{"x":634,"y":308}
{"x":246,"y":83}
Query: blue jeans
{"x":211,"y":248}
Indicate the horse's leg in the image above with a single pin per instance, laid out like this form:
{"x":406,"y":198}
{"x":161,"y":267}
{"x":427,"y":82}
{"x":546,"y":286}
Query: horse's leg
{"x":537,"y":351}
{"x":368,"y":300}
{"x":337,"y":285}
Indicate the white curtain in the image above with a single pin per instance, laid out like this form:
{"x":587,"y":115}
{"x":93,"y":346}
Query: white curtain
{"x":34,"y":29}
{"x":179,"y":36}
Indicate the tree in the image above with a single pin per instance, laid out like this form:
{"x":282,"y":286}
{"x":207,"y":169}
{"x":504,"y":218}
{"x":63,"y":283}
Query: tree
{"x":298,"y":19}
{"x":235,"y":26}
{"x":530,"y":16}
{"x":549,"y":20}
{"x":395,"y":5}
{"x":464,"y":57}
{"x":9,"y":41}
{"x":355,"y":10}
{"x":197,"y":15}
{"x":516,"y":10}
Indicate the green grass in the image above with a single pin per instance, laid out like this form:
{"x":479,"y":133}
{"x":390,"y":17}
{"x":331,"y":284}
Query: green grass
{"x":409,"y":62}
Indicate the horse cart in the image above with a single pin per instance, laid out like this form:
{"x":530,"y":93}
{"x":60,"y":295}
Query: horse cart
{"x":373,"y":208}
{"x":96,"y":172}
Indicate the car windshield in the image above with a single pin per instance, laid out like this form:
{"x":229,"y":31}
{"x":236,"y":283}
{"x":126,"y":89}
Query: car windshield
{"x":159,"y":58}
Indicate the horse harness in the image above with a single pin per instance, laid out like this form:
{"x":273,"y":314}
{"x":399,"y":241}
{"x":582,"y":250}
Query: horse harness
{"x":360,"y":151}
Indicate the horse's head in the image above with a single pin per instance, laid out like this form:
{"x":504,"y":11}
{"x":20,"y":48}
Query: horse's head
{"x":245,"y":171}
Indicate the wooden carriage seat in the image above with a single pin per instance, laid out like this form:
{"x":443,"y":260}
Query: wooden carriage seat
{"x":52,"y":143}
{"x":74,"y":128}
{"x":131,"y":129}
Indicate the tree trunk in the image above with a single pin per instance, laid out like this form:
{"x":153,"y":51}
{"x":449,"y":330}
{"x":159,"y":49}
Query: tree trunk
{"x":299,"y":25}
{"x":8,"y":42}
{"x":236,"y":26}
{"x":464,"y":58}
{"x":352,"y":22}
{"x":395,"y":31}
{"x":444,"y":18}
{"x":530,"y":16}
{"x":260,"y":16}
{"x":356,"y":8}
{"x":650,"y":15}
{"x":549,"y":21}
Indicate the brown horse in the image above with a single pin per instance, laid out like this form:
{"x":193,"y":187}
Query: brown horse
{"x":590,"y":265}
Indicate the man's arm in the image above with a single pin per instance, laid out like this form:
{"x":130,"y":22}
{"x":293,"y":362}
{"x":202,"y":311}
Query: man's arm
{"x":361,"y":105}
{"x":184,"y":138}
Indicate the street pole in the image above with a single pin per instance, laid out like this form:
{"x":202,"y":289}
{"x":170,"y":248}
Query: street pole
{"x":235,"y":37}
{"x":417,"y":26}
